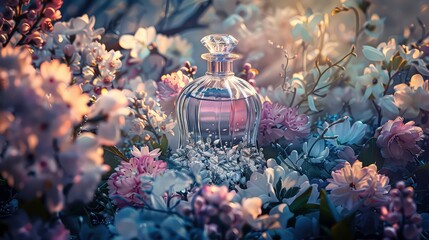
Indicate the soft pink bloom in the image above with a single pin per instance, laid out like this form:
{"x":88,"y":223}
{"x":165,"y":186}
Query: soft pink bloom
{"x":398,"y":141}
{"x":353,"y":184}
{"x":127,"y":182}
{"x":278,"y":121}
{"x":169,"y":88}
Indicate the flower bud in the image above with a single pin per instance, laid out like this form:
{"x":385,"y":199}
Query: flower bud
{"x":69,"y":50}
{"x":32,"y":15}
{"x":46,"y":25}
{"x":410,"y":231}
{"x":8,"y":13}
{"x":3,"y":37}
{"x":247,"y":66}
{"x":400,"y":185}
{"x":389,"y":232}
{"x":24,"y":27}
{"x":49,"y":12}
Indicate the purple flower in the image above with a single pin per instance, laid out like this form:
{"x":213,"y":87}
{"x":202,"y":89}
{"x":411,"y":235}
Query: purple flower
{"x":278,"y":121}
{"x":128,"y":184}
{"x":402,"y":220}
{"x":398,"y":141}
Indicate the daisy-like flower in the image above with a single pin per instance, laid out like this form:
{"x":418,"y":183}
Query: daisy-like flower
{"x":351,"y":185}
{"x":373,"y":80}
{"x":413,"y":98}
{"x":277,"y":184}
{"x":168,"y":90}
{"x":398,"y":141}
{"x":346,"y":133}
{"x":127,"y":185}
{"x":315,"y":150}
{"x":374,"y":27}
{"x":55,"y":75}
{"x":139,"y":42}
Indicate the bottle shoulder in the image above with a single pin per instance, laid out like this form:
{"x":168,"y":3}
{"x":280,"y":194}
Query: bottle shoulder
{"x":219,"y":88}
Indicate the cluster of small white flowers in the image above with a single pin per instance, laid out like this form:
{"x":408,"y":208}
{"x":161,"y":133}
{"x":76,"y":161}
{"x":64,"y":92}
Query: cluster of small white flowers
{"x":76,"y":43}
{"x":218,"y":165}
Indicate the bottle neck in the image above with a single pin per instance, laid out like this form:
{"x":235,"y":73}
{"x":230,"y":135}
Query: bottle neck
{"x":220,"y":68}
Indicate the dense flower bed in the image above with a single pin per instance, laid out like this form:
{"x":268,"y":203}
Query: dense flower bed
{"x":88,"y":136}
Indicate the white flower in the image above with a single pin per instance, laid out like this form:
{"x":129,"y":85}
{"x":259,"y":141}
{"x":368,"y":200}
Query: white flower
{"x":374,"y":79}
{"x":384,"y":52}
{"x":413,"y":98}
{"x":139,"y":42}
{"x":374,"y":27}
{"x":305,"y":28}
{"x":265,"y":185}
{"x":82,"y":28}
{"x":315,"y":150}
{"x":176,"y":48}
{"x":346,"y":134}
{"x":412,"y":56}
{"x":389,"y":110}
{"x":113,"y":107}
{"x":351,"y":184}
{"x":170,"y":181}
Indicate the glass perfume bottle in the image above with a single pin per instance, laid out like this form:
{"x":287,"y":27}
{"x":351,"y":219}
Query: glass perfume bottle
{"x":219,"y":107}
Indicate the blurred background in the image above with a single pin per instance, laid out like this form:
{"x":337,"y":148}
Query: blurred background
{"x":253,"y":22}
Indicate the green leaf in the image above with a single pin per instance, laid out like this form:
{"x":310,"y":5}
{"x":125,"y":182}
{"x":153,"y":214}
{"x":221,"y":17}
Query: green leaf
{"x":421,"y":175}
{"x":344,"y":230}
{"x":328,"y":214}
{"x":300,"y":201}
{"x":164,"y":144}
{"x":291,"y":192}
{"x":371,"y":154}
{"x":36,"y":207}
{"x":112,"y":157}
{"x":115,"y":151}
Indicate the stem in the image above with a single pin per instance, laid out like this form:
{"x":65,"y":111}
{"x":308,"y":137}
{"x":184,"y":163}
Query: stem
{"x":325,"y":131}
{"x":321,"y":73}
{"x":390,"y":81}
{"x":357,"y":31}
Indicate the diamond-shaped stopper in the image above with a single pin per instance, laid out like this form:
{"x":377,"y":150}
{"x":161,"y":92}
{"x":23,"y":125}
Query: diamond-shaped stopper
{"x":219,"y":43}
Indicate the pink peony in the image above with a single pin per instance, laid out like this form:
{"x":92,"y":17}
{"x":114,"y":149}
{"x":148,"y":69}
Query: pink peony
{"x":127,"y":185}
{"x":278,"y":121}
{"x":168,"y":90}
{"x":398,"y":141}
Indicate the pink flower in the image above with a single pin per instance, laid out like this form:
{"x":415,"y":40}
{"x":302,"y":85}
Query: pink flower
{"x":168,"y":90}
{"x":127,"y":183}
{"x":278,"y":121}
{"x":398,"y":141}
{"x":353,"y":183}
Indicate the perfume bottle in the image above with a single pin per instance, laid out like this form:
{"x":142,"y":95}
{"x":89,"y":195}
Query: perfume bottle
{"x":219,"y":108}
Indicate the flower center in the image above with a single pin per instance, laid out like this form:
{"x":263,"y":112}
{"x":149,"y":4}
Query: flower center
{"x":352,"y":185}
{"x":374,"y":81}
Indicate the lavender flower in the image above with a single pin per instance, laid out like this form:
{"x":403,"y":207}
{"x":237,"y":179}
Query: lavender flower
{"x":402,"y":220}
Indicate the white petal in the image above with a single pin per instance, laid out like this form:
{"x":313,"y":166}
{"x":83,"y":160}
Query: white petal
{"x":372,"y":53}
{"x":311,"y":104}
